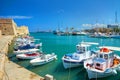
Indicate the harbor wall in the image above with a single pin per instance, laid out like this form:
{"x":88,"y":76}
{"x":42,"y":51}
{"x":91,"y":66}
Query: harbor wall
{"x":22,"y":30}
{"x":5,"y":41}
{"x":0,"y":33}
{"x":8,"y":31}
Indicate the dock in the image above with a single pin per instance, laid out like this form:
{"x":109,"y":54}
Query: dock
{"x":16,"y":72}
{"x":8,"y":69}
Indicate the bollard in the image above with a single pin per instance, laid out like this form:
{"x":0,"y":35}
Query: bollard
{"x":48,"y":77}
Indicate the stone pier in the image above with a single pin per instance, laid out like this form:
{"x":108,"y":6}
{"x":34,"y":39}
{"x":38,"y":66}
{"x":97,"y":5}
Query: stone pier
{"x":10,"y":70}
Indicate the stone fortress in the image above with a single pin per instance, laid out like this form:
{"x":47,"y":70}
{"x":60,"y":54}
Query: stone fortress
{"x":9,"y":27}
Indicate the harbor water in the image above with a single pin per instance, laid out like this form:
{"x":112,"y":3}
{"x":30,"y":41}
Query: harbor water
{"x":61,"y":45}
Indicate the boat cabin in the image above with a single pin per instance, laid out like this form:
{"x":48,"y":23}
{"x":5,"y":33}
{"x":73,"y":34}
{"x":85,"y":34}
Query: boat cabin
{"x":81,"y":48}
{"x":105,"y":53}
{"x":104,"y":59}
{"x":100,"y":63}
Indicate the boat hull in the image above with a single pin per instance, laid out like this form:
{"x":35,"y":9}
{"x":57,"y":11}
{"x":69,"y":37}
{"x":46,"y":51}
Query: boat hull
{"x":93,"y":74}
{"x":69,"y":64}
{"x":25,"y":51}
{"x":26,"y":57}
{"x":41,"y":62}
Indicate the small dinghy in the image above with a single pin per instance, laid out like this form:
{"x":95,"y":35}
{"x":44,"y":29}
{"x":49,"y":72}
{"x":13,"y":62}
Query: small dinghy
{"x":30,"y":55}
{"x":43,"y":59}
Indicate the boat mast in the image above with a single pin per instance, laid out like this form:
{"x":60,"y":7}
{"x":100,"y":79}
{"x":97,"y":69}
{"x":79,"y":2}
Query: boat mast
{"x":116,"y":20}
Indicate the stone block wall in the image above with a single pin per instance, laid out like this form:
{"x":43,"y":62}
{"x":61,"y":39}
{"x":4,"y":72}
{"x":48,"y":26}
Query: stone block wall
{"x":7,"y":26}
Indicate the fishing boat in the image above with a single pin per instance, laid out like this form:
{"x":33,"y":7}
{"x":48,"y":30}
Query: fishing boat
{"x":43,"y":59}
{"x":77,"y":58}
{"x":100,"y":35}
{"x":106,"y":63}
{"x":115,"y":36}
{"x":24,"y":45}
{"x":25,"y":51}
{"x":29,"y":55}
{"x":26,"y":48}
{"x":24,"y":39}
{"x":80,"y":33}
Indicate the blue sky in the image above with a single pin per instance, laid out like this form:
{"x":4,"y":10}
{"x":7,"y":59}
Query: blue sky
{"x":49,"y":14}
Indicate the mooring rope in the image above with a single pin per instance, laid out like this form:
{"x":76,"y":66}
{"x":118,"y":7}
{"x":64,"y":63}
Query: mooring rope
{"x":69,"y":72}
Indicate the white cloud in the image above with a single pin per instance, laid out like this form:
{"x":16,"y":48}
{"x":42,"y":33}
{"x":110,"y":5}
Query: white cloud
{"x":17,"y":17}
{"x":99,"y":25}
{"x":94,"y":25}
{"x":87,"y":25}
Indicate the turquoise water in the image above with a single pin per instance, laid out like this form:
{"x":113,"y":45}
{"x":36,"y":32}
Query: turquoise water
{"x":62,"y":45}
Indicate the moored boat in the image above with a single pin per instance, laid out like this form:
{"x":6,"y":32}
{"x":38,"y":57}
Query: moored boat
{"x":29,"y":55}
{"x":105,"y":64}
{"x":115,"y":36}
{"x":25,"y":51}
{"x":43,"y":59}
{"x":77,"y":58}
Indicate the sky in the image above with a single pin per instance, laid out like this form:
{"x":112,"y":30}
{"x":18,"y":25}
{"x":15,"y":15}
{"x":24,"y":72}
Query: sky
{"x":54,"y":14}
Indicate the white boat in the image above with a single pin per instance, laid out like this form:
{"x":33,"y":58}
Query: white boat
{"x":100,"y":35}
{"x":105,"y":64}
{"x":115,"y":36}
{"x":29,"y":55}
{"x":79,"y":33}
{"x":77,"y":58}
{"x":43,"y":59}
{"x":25,"y":51}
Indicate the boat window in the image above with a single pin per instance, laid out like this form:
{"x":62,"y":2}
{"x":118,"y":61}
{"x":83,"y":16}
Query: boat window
{"x":106,"y":56}
{"x":83,"y":49}
{"x":101,"y":56}
{"x":77,"y":47}
{"x":111,"y":55}
{"x":97,"y":64}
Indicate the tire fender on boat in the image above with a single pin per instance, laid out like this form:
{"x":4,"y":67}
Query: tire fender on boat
{"x":118,"y":68}
{"x":114,"y":72}
{"x":46,"y":60}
